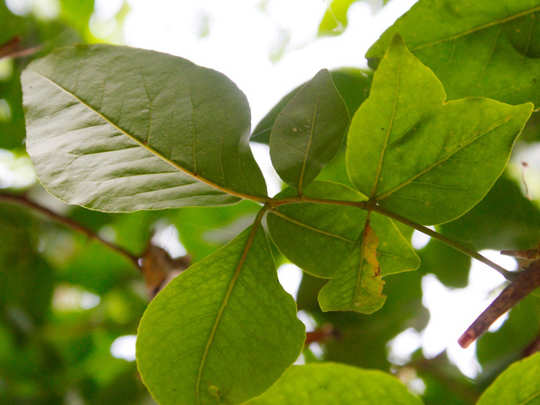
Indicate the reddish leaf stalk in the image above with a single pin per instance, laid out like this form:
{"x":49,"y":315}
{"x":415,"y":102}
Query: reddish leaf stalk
{"x":526,"y":282}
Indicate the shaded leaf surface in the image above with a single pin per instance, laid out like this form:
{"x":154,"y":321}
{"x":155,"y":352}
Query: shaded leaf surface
{"x":222,"y":331}
{"x":351,"y":83}
{"x":332,"y":383}
{"x":131,"y":129}
{"x":476,"y":48}
{"x":319,"y":238}
{"x":504,"y":219}
{"x":518,"y":384}
{"x":414,"y":152}
{"x":308,"y":131}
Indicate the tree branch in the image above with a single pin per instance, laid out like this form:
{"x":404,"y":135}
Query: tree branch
{"x":21,"y":200}
{"x":525,"y":283}
{"x":372,"y":206}
{"x":10,"y":49}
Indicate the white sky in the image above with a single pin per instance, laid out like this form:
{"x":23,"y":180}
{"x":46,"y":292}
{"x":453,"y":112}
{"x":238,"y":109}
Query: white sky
{"x":239,"y":39}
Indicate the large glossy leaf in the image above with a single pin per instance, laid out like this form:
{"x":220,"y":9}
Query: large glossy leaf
{"x":319,"y":238}
{"x":476,"y":48}
{"x":222,"y":331}
{"x":308,"y":131}
{"x":336,"y":384}
{"x":122,"y":129}
{"x":351,"y":83}
{"x":428,"y":159}
{"x":518,"y":385}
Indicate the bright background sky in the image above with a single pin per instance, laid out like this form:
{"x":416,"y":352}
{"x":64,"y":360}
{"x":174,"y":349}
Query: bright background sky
{"x":268,"y":47}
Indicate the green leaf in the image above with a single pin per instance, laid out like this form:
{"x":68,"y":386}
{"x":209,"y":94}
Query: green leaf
{"x":476,"y":48}
{"x":449,"y":265}
{"x":351,"y":83}
{"x":319,"y":238}
{"x":335,"y":19}
{"x":202,"y":230}
{"x":517,"y":385}
{"x":360,"y":289}
{"x":130,"y":129}
{"x":505,"y":219}
{"x":222,"y":331}
{"x":308,"y":131}
{"x":336,"y":384}
{"x":416,"y":154}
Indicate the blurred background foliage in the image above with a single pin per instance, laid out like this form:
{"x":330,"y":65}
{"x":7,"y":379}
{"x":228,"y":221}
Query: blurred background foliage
{"x":69,"y":306}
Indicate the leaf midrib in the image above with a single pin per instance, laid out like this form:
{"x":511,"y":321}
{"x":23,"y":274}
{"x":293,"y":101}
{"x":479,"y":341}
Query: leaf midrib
{"x":148,"y":148}
{"x":441,"y":161}
{"x":228,"y":293}
{"x":477,"y":28}
{"x":311,"y":228}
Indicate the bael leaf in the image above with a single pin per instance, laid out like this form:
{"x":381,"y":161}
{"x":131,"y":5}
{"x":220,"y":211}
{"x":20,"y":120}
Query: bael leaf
{"x":449,"y":265}
{"x":360,"y":288}
{"x":130,"y":129}
{"x":504,"y":219}
{"x":336,"y":384}
{"x":476,"y":48}
{"x":351,"y":83}
{"x":308,"y":131}
{"x":517,"y":385}
{"x":222,"y":331}
{"x":319,"y":238}
{"x":416,"y":154}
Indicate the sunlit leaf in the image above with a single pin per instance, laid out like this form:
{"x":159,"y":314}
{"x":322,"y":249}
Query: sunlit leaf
{"x":222,"y":331}
{"x":336,"y":384}
{"x":518,"y":384}
{"x":476,"y":48}
{"x":428,"y":159}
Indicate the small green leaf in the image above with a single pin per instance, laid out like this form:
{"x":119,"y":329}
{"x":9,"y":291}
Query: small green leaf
{"x":123,"y":129}
{"x":517,"y":385}
{"x":476,"y":48}
{"x":353,"y":85}
{"x":308,"y":131}
{"x":360,"y":289}
{"x":416,"y":154}
{"x":335,"y":19}
{"x":319,"y":238}
{"x":336,"y":384}
{"x":221,"y":332}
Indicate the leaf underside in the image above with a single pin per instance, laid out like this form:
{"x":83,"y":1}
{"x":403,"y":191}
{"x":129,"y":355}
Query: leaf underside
{"x":222,"y":331}
{"x":122,"y":129}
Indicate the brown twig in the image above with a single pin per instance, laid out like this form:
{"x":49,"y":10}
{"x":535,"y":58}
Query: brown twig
{"x":10,"y":49}
{"x":525,"y":282}
{"x":322,"y":334}
{"x":21,"y":200}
